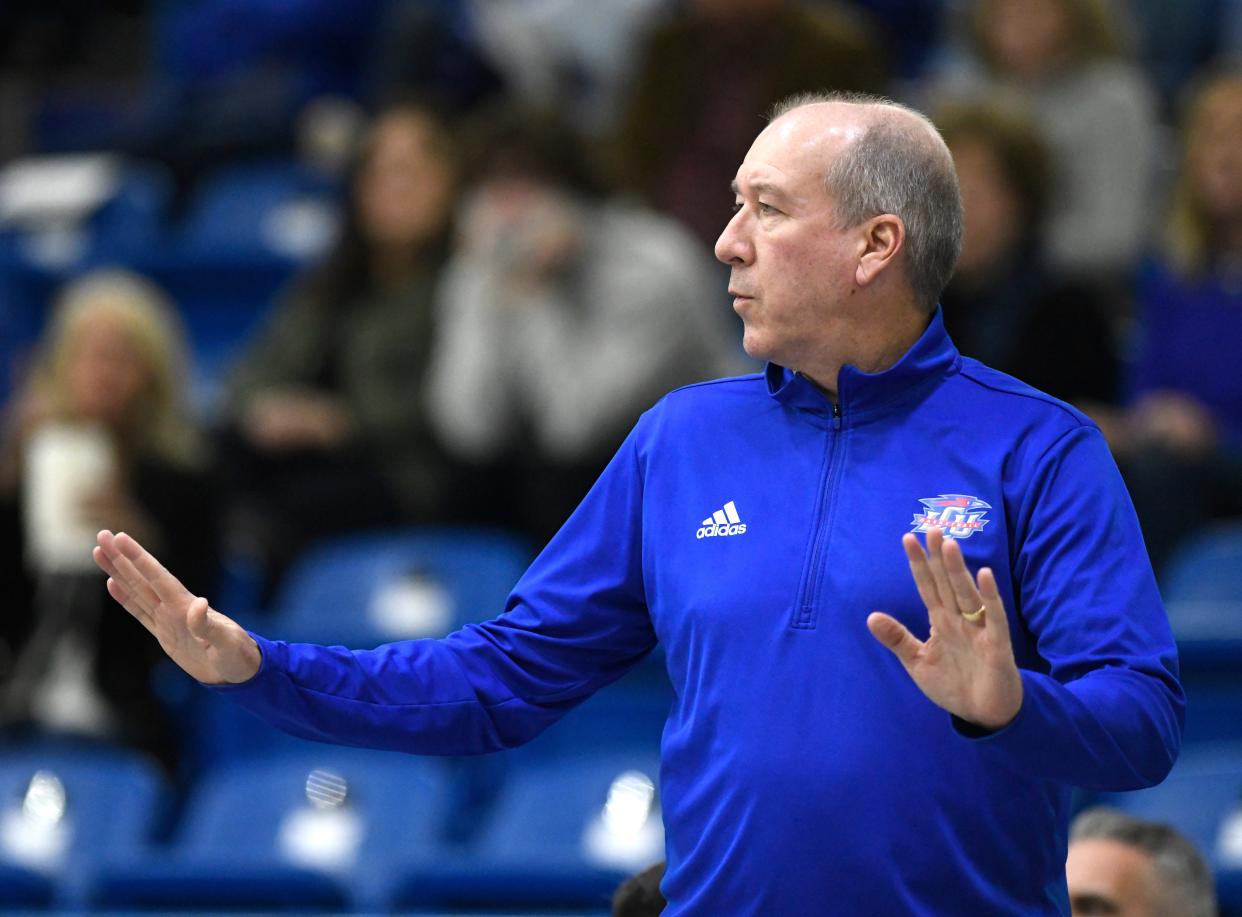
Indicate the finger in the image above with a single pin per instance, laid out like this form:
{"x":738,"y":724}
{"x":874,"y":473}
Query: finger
{"x":103,"y":562}
{"x":935,"y":563}
{"x":107,"y":544}
{"x":136,"y":584}
{"x":106,"y":541}
{"x":198,"y":621}
{"x":995,"y":617}
{"x":117,"y":591}
{"x":895,"y":637}
{"x":163,"y":583}
{"x":923,"y":580}
{"x":964,"y":592}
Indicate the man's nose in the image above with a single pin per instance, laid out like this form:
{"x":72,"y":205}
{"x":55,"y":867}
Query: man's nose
{"x":733,"y":246}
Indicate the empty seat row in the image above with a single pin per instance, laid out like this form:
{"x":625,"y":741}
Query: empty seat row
{"x":318,"y":828}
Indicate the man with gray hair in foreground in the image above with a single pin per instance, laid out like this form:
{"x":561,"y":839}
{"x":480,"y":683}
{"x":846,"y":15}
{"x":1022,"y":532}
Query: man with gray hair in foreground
{"x":1122,"y":866}
{"x":821,"y":757}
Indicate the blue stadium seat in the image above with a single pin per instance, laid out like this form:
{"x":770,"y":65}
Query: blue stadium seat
{"x":134,"y":220}
{"x":361,"y":591}
{"x":310,"y":830}
{"x":562,"y":835}
{"x":1203,"y":586}
{"x":120,"y":218}
{"x":271,"y":209}
{"x":248,"y":230}
{"x":66,"y":810}
{"x":364,"y":590}
{"x":35,"y":261}
{"x":1204,"y":788}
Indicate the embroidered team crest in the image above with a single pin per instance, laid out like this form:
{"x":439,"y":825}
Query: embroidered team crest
{"x":956,"y":515}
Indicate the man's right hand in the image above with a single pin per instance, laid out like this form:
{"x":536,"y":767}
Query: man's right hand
{"x":209,"y":646}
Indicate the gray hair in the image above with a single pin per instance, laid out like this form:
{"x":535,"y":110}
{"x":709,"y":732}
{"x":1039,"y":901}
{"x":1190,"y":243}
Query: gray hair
{"x":1182,"y":869}
{"x":895,"y":167}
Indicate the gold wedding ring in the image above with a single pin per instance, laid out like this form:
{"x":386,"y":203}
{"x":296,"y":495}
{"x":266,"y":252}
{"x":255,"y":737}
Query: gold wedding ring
{"x":973,"y":616}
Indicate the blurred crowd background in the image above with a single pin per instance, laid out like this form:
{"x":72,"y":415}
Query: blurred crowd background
{"x":342,"y":307}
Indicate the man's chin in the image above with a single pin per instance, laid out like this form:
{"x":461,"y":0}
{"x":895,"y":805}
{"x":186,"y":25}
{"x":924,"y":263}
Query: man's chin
{"x":756,"y":348}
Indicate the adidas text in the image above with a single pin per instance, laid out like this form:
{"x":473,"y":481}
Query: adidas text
{"x":716,"y":529}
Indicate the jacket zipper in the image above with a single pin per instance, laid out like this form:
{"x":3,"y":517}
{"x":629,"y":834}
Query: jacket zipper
{"x":804,"y":612}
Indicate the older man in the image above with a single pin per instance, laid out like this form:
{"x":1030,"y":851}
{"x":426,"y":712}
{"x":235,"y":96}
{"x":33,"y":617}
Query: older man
{"x":753,"y":526}
{"x":1122,"y":866}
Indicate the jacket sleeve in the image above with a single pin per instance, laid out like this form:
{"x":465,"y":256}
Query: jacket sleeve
{"x":576,"y":621}
{"x":1107,"y":710}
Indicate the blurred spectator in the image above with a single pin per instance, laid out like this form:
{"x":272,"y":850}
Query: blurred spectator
{"x":328,"y":433}
{"x":639,"y":896}
{"x":565,"y":55}
{"x":706,"y":80}
{"x":564,"y":315}
{"x":1005,"y":305}
{"x":1180,"y":440}
{"x":99,"y":438}
{"x":1060,"y":59}
{"x":1123,"y":866}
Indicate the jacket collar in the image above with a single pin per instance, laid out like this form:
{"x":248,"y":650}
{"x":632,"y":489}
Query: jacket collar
{"x":864,"y":396}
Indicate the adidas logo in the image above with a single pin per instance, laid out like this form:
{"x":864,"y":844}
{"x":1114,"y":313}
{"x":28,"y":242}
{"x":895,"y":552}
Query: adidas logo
{"x":725,"y":521}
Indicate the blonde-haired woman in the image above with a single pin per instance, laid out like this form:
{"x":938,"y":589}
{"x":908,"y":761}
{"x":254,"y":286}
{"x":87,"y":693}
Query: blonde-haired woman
{"x":114,"y":354}
{"x":1180,"y":440}
{"x":99,"y":438}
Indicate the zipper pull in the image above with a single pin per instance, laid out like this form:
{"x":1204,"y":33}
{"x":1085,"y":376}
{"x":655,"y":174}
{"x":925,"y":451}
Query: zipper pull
{"x":836,"y":416}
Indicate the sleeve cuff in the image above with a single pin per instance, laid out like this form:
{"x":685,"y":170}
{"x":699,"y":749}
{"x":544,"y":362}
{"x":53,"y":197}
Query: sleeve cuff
{"x":1019,"y":725}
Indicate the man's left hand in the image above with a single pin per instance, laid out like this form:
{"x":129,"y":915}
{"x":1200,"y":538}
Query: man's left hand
{"x":966,"y":665}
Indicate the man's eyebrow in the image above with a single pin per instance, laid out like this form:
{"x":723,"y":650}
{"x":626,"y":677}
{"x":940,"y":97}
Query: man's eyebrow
{"x":760,"y":187}
{"x":1091,"y":903}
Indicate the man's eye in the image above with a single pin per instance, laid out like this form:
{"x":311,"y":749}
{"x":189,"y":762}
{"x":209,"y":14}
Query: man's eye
{"x":767,"y":208}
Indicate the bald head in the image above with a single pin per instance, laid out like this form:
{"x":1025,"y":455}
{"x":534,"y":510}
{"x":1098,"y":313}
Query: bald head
{"x":881,"y":157}
{"x":852,"y":114}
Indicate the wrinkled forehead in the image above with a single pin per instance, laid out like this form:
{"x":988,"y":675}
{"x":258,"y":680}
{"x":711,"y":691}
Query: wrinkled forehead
{"x":797,"y":148}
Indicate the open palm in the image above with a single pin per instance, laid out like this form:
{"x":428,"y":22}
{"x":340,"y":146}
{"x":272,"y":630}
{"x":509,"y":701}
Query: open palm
{"x":965,"y":666}
{"x":209,"y":646}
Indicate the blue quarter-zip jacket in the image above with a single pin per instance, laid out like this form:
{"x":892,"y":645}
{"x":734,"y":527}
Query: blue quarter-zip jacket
{"x":803,"y":771}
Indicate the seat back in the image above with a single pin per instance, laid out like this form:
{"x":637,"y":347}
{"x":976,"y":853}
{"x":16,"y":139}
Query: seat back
{"x":285,"y":808}
{"x":598,"y":810}
{"x":1203,"y":593}
{"x":364,"y":590}
{"x":67,"y":809}
{"x":267,"y":209}
{"x":1203,"y":789}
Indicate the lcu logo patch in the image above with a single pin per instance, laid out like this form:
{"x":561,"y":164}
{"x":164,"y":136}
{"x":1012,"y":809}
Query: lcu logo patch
{"x":956,"y":515}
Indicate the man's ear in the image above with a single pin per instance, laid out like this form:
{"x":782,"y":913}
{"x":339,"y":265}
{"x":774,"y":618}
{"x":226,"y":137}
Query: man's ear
{"x":883,"y":239}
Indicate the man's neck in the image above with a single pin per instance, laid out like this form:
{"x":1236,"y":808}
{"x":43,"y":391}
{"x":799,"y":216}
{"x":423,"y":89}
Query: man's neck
{"x":871,"y":349}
